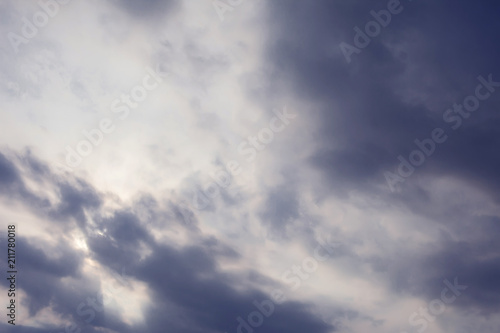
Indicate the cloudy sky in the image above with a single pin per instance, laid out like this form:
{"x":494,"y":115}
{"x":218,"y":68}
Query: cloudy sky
{"x":240,"y":166}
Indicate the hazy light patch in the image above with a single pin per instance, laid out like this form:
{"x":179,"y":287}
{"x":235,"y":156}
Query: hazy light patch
{"x":126,"y":298}
{"x":40,"y":228}
{"x":43,"y":318}
{"x":80,"y":243}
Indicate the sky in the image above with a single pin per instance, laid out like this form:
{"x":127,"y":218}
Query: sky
{"x":240,"y":166}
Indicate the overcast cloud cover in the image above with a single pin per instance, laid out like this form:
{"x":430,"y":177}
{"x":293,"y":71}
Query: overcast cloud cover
{"x":250,"y":166}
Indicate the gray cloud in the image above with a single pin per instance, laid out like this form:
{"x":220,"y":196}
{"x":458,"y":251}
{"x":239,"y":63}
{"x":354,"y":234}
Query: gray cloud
{"x":187,"y":281}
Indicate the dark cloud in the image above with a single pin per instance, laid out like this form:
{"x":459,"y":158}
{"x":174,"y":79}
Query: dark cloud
{"x":75,"y":198}
{"x":150,"y":8}
{"x":281,"y":209}
{"x":470,"y":254}
{"x":366,"y":121}
{"x":188,"y":281}
{"x":8,"y":172}
{"x":13,"y":186}
{"x":189,"y":291}
{"x":41,"y":273}
{"x":371,"y":110}
{"x":365,"y":113}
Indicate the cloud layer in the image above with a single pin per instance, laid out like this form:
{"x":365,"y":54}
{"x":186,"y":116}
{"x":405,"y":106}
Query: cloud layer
{"x":269,"y":181}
